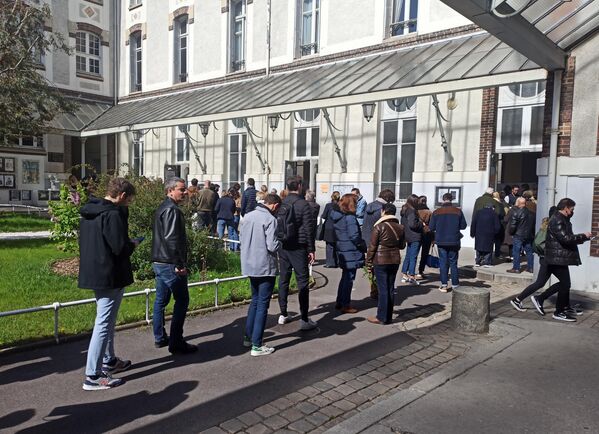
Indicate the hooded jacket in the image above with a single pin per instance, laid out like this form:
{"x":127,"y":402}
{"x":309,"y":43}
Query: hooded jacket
{"x":104,"y":246}
{"x":350,"y":246}
{"x":371,"y":216}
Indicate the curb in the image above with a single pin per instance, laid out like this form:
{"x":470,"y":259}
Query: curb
{"x":510,"y":334}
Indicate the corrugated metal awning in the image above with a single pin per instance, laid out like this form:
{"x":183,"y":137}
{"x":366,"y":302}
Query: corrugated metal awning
{"x":73,"y":124}
{"x":464,"y":63}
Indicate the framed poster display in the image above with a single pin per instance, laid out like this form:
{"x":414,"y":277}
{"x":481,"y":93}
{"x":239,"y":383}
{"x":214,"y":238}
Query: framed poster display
{"x":1,"y":180}
{"x":31,"y":172}
{"x":456,"y":193}
{"x":9,"y":180}
{"x":9,"y":164}
{"x":1,"y":164}
{"x":55,"y":195}
{"x":15,"y":195}
{"x":43,"y":195}
{"x":25,"y":194}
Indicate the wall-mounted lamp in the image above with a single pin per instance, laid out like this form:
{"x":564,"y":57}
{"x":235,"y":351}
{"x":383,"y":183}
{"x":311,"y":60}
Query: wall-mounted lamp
{"x":273,"y":121}
{"x":204,"y":127}
{"x":368,"y":110}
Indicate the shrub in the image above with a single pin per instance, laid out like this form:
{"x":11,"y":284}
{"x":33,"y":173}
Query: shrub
{"x":203,"y":253}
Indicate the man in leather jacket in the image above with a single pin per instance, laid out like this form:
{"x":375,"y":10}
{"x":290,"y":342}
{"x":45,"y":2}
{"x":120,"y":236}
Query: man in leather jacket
{"x":561,"y":250}
{"x":522,"y":228}
{"x":169,"y":257}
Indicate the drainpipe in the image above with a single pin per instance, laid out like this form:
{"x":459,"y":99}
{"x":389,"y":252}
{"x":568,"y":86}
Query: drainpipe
{"x":268,"y":12}
{"x":555,"y":108}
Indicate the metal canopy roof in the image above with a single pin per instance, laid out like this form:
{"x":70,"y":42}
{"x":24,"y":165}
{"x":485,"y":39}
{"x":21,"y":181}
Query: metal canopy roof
{"x":543,"y":31}
{"x":73,"y":124}
{"x":464,"y":63}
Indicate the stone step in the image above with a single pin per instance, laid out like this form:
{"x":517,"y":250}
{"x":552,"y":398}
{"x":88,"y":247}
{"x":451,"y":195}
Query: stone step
{"x":489,"y":275}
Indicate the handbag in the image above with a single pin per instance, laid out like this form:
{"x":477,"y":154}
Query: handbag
{"x":432,"y":260}
{"x":320,"y":231}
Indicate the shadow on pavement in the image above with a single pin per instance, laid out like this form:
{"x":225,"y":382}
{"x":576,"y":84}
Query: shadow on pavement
{"x":99,"y":417}
{"x":16,"y":418}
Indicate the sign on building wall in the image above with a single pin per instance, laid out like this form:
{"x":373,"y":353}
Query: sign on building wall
{"x":456,"y":194}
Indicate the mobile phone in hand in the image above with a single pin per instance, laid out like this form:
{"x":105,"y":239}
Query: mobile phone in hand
{"x":138,"y":240}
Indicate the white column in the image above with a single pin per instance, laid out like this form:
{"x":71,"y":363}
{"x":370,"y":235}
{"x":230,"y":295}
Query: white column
{"x":83,"y":140}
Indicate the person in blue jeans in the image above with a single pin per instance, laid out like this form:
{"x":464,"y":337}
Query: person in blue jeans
{"x":350,"y":249}
{"x":259,"y":261}
{"x":522,"y":228}
{"x":446,"y":223}
{"x":105,"y":267}
{"x":169,"y":257}
{"x":225,"y":218}
{"x":413,"y":228}
{"x":383,"y":257}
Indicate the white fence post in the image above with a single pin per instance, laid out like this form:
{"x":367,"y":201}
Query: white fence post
{"x":56,"y":306}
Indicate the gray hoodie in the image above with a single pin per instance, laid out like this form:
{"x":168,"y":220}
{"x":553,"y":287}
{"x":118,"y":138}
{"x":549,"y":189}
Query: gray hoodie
{"x":259,"y":243}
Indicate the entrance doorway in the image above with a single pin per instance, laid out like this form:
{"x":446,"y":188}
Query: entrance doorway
{"x":305,"y":170}
{"x":516,"y":169}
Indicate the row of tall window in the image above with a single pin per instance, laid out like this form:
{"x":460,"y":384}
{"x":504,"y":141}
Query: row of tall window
{"x":401,"y":20}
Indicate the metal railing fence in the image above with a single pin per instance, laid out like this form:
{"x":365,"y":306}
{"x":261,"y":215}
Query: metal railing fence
{"x":57,"y":306}
{"x":29,"y":208}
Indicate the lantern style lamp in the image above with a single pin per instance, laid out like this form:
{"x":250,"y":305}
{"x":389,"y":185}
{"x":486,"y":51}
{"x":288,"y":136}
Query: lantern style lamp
{"x":368,"y":110}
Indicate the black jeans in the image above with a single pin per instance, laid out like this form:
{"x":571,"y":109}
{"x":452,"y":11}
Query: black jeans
{"x":294,"y":260}
{"x":562,"y":287}
{"x":427,"y":240}
{"x":385,"y":279}
{"x":331,"y":258}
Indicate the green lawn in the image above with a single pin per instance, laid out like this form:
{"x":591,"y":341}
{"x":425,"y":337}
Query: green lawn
{"x":16,"y":222}
{"x":26,"y":280}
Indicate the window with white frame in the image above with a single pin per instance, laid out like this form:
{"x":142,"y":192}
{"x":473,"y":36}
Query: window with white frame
{"x":307,"y":133}
{"x":237,"y":157}
{"x":138,"y":156}
{"x":310,"y":27}
{"x":402,"y":16}
{"x":88,"y":53}
{"x":133,"y":3}
{"x":398,"y":146}
{"x":182,"y":144}
{"x":520,"y":117}
{"x":29,"y":141}
{"x":180,"y":50}
{"x":238,"y":27}
{"x":135,"y":61}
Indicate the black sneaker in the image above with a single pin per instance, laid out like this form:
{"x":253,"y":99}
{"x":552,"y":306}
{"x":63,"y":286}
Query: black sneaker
{"x":517,"y":305}
{"x":563,"y":316}
{"x":573,"y":310}
{"x":538,"y":305}
{"x":115,"y":366}
{"x":161,"y":343}
{"x":183,"y":348}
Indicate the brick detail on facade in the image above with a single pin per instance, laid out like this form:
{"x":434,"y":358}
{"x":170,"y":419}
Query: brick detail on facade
{"x":595,"y":219}
{"x":565,"y":114}
{"x":488,"y":125}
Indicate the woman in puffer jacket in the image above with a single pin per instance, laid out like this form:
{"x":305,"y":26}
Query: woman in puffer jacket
{"x":350,"y":248}
{"x":384,"y":256}
{"x":413,"y":233}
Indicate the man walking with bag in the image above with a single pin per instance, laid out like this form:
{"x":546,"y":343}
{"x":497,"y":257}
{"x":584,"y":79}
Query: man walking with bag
{"x":561,"y":251}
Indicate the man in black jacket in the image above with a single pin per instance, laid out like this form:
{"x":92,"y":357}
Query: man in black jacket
{"x":522,"y":227}
{"x":105,"y":267}
{"x":297,"y":254}
{"x":561,"y":250}
{"x":248,"y":198}
{"x":169,"y":256}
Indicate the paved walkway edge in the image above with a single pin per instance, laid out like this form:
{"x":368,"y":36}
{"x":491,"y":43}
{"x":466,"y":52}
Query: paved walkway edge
{"x":510,"y":335}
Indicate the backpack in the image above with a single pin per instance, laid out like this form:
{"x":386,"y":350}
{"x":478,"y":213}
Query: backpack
{"x":538,"y":244}
{"x":286,"y":225}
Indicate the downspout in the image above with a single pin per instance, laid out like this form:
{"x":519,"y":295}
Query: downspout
{"x":115,"y":70}
{"x":268,"y":12}
{"x":555,"y":108}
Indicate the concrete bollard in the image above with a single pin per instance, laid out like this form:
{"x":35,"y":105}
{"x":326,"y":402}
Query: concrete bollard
{"x":470,"y":309}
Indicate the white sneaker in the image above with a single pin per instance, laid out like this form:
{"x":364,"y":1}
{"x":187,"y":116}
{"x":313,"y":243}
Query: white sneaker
{"x":476,"y":265}
{"x":307,"y":325}
{"x":487,"y":266}
{"x":261,"y":351}
{"x":284,"y":319}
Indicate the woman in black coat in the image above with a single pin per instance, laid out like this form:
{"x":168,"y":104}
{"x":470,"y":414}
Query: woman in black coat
{"x":329,"y":230}
{"x":485,"y":226}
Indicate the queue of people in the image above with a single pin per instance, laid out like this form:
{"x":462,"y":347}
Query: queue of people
{"x":278,"y":237}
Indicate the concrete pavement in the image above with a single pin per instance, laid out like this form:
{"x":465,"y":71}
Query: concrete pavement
{"x":346,"y":369}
